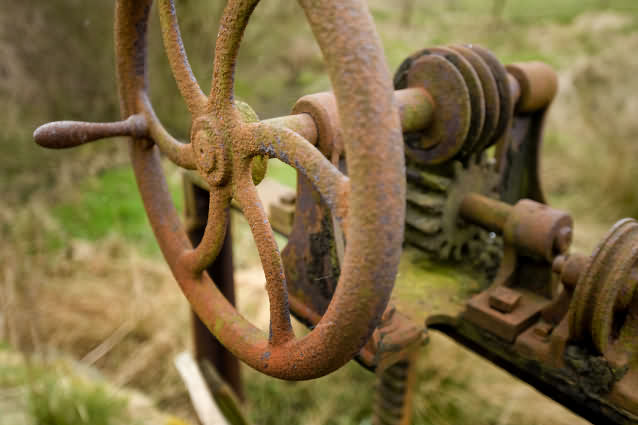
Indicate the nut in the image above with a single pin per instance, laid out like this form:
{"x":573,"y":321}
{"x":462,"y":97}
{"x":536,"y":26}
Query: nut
{"x":504,"y":299}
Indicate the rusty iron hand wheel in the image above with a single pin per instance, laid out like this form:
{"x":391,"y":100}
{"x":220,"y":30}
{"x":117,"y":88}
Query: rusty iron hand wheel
{"x":368,"y":203}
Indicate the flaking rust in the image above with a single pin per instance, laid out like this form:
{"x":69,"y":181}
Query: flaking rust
{"x":227,"y":151}
{"x":484,"y":259}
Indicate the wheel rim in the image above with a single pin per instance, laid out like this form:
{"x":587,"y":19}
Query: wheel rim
{"x":375,"y":205}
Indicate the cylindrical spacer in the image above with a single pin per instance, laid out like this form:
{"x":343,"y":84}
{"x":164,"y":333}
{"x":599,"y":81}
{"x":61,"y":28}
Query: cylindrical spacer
{"x":538,"y":85}
{"x":316,"y":117}
{"x":570,"y":267}
{"x":322,"y":107}
{"x":538,"y":229}
{"x":533,"y":227}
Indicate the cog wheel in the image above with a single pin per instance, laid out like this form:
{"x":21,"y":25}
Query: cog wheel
{"x":433,"y":222}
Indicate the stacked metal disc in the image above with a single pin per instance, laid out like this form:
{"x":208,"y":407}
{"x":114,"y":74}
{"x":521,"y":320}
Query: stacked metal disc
{"x":472,"y":96}
{"x":473,"y":108}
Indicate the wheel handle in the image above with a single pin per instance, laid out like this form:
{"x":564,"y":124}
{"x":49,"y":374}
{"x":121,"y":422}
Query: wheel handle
{"x":367,"y":204}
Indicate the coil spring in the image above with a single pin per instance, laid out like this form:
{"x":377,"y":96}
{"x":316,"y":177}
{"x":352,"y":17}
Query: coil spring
{"x":393,"y":404}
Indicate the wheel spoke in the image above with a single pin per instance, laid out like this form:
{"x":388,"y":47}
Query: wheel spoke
{"x":198,"y":259}
{"x":246,"y":195}
{"x":231,"y":29}
{"x":294,"y":150}
{"x":180,"y":153}
{"x":191,"y":92}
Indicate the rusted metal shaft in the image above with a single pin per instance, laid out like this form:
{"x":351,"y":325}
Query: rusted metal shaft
{"x":302,"y":124}
{"x":569,"y":268}
{"x":536,"y":228}
{"x":415,"y":110}
{"x":537,"y":85}
{"x":487,"y":212}
{"x":533,"y":86}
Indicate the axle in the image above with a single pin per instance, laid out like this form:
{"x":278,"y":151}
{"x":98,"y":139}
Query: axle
{"x":316,"y":116}
{"x":530,"y":225}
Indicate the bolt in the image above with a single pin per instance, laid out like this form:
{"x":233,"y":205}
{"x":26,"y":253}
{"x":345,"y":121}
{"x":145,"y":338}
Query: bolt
{"x":504,"y":299}
{"x":559,"y":264}
{"x":543,"y":330}
{"x":207,"y":157}
{"x":569,"y":267}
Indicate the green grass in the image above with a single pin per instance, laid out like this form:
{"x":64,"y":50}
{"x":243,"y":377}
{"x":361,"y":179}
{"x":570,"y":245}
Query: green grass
{"x":110,"y":204}
{"x":58,"y":399}
{"x":553,"y":10}
{"x":283,"y":173}
{"x":346,"y":397}
{"x":349,"y":391}
{"x":51,"y":393}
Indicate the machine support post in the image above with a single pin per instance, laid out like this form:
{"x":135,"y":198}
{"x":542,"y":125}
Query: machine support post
{"x":205,"y":345}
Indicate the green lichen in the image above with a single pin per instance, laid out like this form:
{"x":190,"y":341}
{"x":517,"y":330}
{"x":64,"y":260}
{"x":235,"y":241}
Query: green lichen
{"x":424,"y":288}
{"x":259,"y":163}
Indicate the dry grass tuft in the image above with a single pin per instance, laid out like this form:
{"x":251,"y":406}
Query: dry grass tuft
{"x":112,"y":307}
{"x":103,"y":303}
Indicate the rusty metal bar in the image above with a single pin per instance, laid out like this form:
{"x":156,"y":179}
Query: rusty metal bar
{"x":539,"y":229}
{"x":302,"y":124}
{"x":186,"y":81}
{"x":415,"y":110}
{"x":528,"y":82}
{"x":487,"y":212}
{"x":533,"y":86}
{"x":537,"y":85}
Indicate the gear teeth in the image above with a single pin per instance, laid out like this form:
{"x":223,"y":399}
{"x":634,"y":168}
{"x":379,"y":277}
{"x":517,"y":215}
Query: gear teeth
{"x":423,"y":223}
{"x":430,"y":244}
{"x":446,"y":250}
{"x":429,"y":180}
{"x":434,"y":192}
{"x":430,"y":202}
{"x":458,"y":252}
{"x":432,"y":222}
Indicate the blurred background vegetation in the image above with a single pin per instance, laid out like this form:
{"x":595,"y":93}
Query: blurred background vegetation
{"x":87,"y":306}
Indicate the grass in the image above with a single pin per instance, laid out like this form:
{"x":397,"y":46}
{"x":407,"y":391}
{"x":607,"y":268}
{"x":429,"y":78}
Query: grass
{"x":54,"y":389}
{"x":79,"y":264}
{"x":283,"y":173}
{"x":52,"y":393}
{"x":107,"y":205}
{"x":304,"y":402}
{"x":56,"y":399}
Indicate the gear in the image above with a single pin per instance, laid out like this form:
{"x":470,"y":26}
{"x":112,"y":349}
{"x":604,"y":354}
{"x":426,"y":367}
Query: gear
{"x":433,"y":223}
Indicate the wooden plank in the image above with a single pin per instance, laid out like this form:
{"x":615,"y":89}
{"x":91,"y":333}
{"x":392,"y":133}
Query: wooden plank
{"x":207,"y":410}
